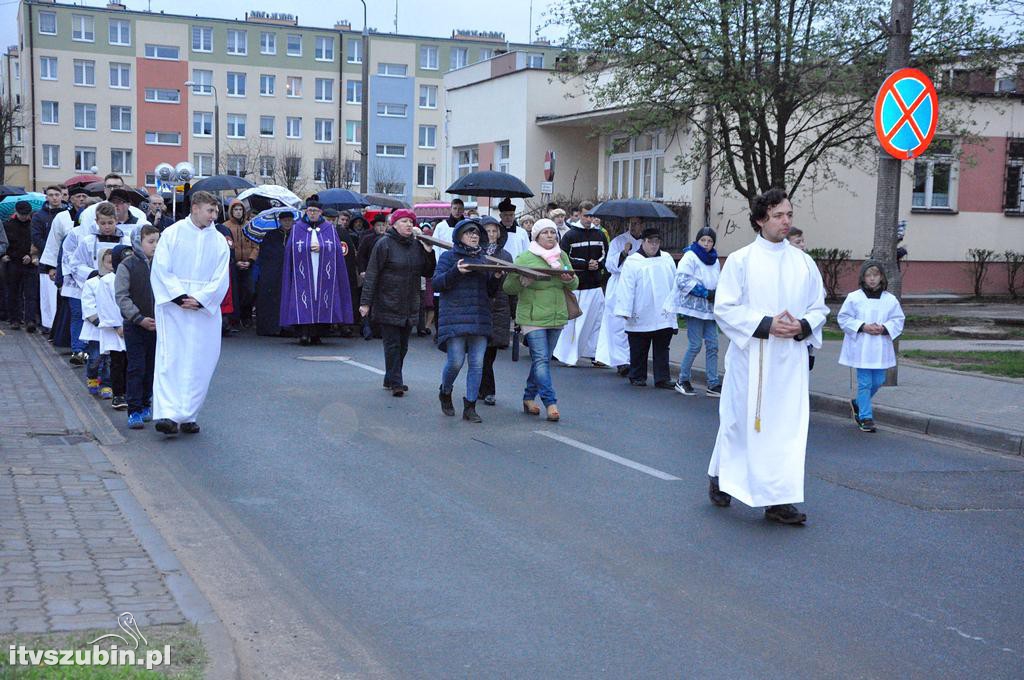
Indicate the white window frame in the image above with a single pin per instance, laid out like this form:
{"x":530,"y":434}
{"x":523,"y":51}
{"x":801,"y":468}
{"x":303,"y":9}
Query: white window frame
{"x":354,"y":51}
{"x":456,"y":63}
{"x":273,"y":126}
{"x":325,"y":84}
{"x":82,"y":163}
{"x":503,"y":156}
{"x":47,"y":68}
{"x":429,"y":57}
{"x":485,"y":54}
{"x":268,"y":42}
{"x":237,"y":77}
{"x":320,"y":125}
{"x":427,"y":92}
{"x":117,"y":110}
{"x":85,"y":108}
{"x":272,"y":80}
{"x":386,"y":150}
{"x":162,"y":95}
{"x":52,"y":16}
{"x":421,"y":175}
{"x":235,"y":120}
{"x":231,"y":44}
{"x":468,"y":163}
{"x":267,"y":166}
{"x":127,"y":162}
{"x":120,"y":24}
{"x":289,"y":122}
{"x":289,"y":87}
{"x":320,"y":169}
{"x":392,"y":110}
{"x":48,"y":151}
{"x":532,"y":59}
{"x":55,"y":110}
{"x":152,"y":51}
{"x":353,"y":132}
{"x":430,"y":132}
{"x":203,"y":33}
{"x":86,"y":66}
{"x":202,"y":79}
{"x":324,"y":48}
{"x":353,"y":87}
{"x":392,"y":70}
{"x":203,"y":163}
{"x":120,"y":68}
{"x":153,"y":138}
{"x":632,"y":167}
{"x":78,"y":28}
{"x":288,"y":44}
{"x":240,"y":169}
{"x":930,"y":161}
{"x":201,"y":118}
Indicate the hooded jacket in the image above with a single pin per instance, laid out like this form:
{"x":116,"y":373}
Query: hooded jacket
{"x":244,"y":249}
{"x":132,"y":288}
{"x":465,"y":298}
{"x":392,"y":284}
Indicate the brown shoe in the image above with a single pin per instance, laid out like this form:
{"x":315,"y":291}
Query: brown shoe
{"x":553,"y":414}
{"x":531,"y":409}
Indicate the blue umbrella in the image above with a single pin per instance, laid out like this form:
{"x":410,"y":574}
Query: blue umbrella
{"x":490,"y":183}
{"x":340,"y":199}
{"x":7,"y":205}
{"x":265,"y":222}
{"x":623,"y":208}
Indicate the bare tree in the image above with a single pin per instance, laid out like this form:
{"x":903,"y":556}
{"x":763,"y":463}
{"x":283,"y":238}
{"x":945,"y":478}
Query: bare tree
{"x":385,"y":179}
{"x":10,"y":118}
{"x":289,"y":169}
{"x":329,"y":173}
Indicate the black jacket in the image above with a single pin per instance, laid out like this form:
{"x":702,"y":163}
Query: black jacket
{"x":392,"y":284}
{"x":42,"y":219}
{"x":132,"y":288}
{"x":582,"y":246}
{"x":19,"y":238}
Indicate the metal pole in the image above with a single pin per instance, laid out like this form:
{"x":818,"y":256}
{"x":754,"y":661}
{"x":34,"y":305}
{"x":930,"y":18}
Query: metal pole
{"x":364,"y":147}
{"x":216,"y":131}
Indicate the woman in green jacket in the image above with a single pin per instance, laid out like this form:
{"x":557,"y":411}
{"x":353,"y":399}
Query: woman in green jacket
{"x":542,"y":311}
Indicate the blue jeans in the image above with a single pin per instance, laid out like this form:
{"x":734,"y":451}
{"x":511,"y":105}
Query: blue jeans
{"x":99,"y":364}
{"x":77,"y":345}
{"x":541,"y":343}
{"x":869,"y":380}
{"x":697,"y":331}
{"x":141,"y":347}
{"x":460,"y":347}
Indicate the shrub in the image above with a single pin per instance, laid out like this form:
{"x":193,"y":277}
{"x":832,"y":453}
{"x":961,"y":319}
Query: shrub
{"x":833,"y":263}
{"x":977,"y":264}
{"x":1014,"y":267}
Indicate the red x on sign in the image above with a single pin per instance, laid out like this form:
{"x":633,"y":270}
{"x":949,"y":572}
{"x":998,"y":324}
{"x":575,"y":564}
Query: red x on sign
{"x":906,"y":113}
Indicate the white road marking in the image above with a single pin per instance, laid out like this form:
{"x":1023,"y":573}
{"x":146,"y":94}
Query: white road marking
{"x":608,"y":456}
{"x":344,"y":360}
{"x":371,"y":369}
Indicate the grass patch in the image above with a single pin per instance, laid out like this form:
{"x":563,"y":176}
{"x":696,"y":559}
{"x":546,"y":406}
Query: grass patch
{"x":1005,"y":364}
{"x":188,"y":655}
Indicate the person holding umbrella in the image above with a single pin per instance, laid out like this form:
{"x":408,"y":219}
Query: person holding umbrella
{"x":501,"y":311}
{"x":391,"y":291}
{"x":518,"y":238}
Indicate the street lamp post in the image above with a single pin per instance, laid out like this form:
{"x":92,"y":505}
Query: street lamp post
{"x":216,"y":123}
{"x":364,"y":146}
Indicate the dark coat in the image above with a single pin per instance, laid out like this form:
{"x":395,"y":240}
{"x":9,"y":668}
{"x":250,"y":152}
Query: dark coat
{"x":364,"y":248}
{"x":268,"y":287}
{"x":501,"y":308}
{"x":19,"y":238}
{"x":42,"y":220}
{"x":465,"y":298}
{"x":349,"y":245}
{"x":392,"y":284}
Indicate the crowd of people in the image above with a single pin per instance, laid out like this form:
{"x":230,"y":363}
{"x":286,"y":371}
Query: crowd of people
{"x":142,"y":302}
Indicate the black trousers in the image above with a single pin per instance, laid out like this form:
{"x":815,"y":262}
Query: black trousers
{"x":244,"y":294}
{"x":640,"y":344}
{"x":396,"y":346}
{"x":141,"y":359}
{"x":487,"y":386}
{"x":118,"y":372}
{"x":22,"y":292}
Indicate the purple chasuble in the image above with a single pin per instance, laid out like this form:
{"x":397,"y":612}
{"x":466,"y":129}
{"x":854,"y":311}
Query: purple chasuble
{"x":328,"y":300}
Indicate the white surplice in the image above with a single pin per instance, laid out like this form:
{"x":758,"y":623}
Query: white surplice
{"x":764,"y":410}
{"x":640,"y":295}
{"x":47,"y":300}
{"x":90,"y":331}
{"x":863,"y":350}
{"x":194,"y":262}
{"x":109,"y":316}
{"x":579,"y":337}
{"x":612,"y":345}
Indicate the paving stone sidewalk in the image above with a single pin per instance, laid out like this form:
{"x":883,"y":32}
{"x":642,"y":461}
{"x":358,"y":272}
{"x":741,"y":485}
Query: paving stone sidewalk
{"x":69,"y":559}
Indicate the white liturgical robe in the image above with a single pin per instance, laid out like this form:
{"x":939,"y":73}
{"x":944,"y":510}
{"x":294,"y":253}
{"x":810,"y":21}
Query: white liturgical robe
{"x":863,"y":350}
{"x":194,"y":262}
{"x":764,"y":411}
{"x":612,"y":345}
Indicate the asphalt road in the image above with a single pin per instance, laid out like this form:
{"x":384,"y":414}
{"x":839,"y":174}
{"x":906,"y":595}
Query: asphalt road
{"x":339,"y":530}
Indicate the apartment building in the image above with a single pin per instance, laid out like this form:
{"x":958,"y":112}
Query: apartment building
{"x":105,"y":87}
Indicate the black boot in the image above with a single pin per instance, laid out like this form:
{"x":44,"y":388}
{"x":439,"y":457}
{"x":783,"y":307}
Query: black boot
{"x":447,"y":407}
{"x":469,"y":411}
{"x":717,"y":496}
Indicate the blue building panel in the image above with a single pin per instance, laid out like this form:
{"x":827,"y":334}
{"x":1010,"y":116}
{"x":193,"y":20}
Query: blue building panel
{"x":392,"y":130}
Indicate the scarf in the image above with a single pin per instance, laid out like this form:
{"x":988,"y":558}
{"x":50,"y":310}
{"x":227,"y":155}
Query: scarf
{"x":708,"y":257}
{"x":553,"y":255}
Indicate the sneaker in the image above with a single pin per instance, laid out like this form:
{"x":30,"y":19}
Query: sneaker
{"x":685,"y":388}
{"x":190,"y":428}
{"x":638,"y":383}
{"x":622,"y":371}
{"x":867,"y":425}
{"x":147,"y":414}
{"x":665,"y":385}
{"x":856,"y":411}
{"x":166,"y":426}
{"x":135,"y":421}
{"x":717,"y":496}
{"x":714,"y":392}
{"x":597,"y":364}
{"x":119,"y":403}
{"x":785,"y":514}
{"x":106,"y":393}
{"x":490,"y":400}
{"x":78,"y":359}
{"x":94,"y":386}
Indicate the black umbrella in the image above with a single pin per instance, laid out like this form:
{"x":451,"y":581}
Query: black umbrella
{"x":96,"y":189}
{"x":218,"y":183}
{"x":340,"y":199}
{"x":11,"y":190}
{"x":382,"y":201}
{"x":633,"y":207}
{"x":490,"y":183}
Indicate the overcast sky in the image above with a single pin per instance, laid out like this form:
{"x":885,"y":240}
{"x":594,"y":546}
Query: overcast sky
{"x":434,"y":18}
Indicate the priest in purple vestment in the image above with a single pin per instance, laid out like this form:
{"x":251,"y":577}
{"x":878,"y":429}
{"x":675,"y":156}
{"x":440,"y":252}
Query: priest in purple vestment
{"x":314,"y":286}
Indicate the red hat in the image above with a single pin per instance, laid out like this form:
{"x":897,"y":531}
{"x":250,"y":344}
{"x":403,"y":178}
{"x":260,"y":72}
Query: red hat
{"x":399,"y":214}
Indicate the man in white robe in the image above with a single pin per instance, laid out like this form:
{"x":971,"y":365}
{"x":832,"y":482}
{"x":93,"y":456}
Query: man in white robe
{"x":612,"y":345}
{"x":587,"y":249}
{"x":110,"y":183}
{"x":770,"y":302}
{"x":190,"y":278}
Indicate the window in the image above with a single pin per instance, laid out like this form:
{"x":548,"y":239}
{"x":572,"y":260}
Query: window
{"x":535,"y":60}
{"x":1013,"y":196}
{"x":163,"y":138}
{"x":394,"y":70}
{"x":353,"y":92}
{"x":324,"y":90}
{"x":202,"y":81}
{"x":159,"y":95}
{"x":503,"y":155}
{"x":459,"y":58}
{"x":324,"y":49}
{"x":486,"y":53}
{"x":467,"y":161}
{"x":428,"y":57}
{"x":292,"y":166}
{"x":351,"y":173}
{"x":293,"y":128}
{"x":424,"y":175}
{"x":48,"y":68}
{"x":266,"y":126}
{"x":390,"y":110}
{"x":294,"y":45}
{"x":48,"y":26}
{"x":236,"y":84}
{"x":85,"y":116}
{"x":83,"y":28}
{"x":237,"y":166}
{"x":355,"y":51}
{"x":51,"y":156}
{"x":293,"y":88}
{"x":202,"y":123}
{"x":391,"y":150}
{"x":85,"y":72}
{"x":636,"y":166}
{"x":120,"y":76}
{"x":202,"y":39}
{"x":120,"y":119}
{"x":428,"y":136}
{"x":119,"y":32}
{"x":150,"y":180}
{"x":322,"y":167}
{"x":323,"y":130}
{"x":85,"y":158}
{"x":428,"y":96}
{"x":353,"y":132}
{"x":121,"y":161}
{"x":236,"y":125}
{"x":268,"y":43}
{"x":266,"y":164}
{"x":165,"y":52}
{"x":238,"y":42}
{"x":268,"y":84}
{"x":51,"y":113}
{"x":934,"y":178}
{"x":203,"y":163}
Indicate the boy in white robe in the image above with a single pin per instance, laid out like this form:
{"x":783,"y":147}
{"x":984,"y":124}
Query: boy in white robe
{"x":770,"y":302}
{"x":190,"y":279}
{"x":612,"y":345}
